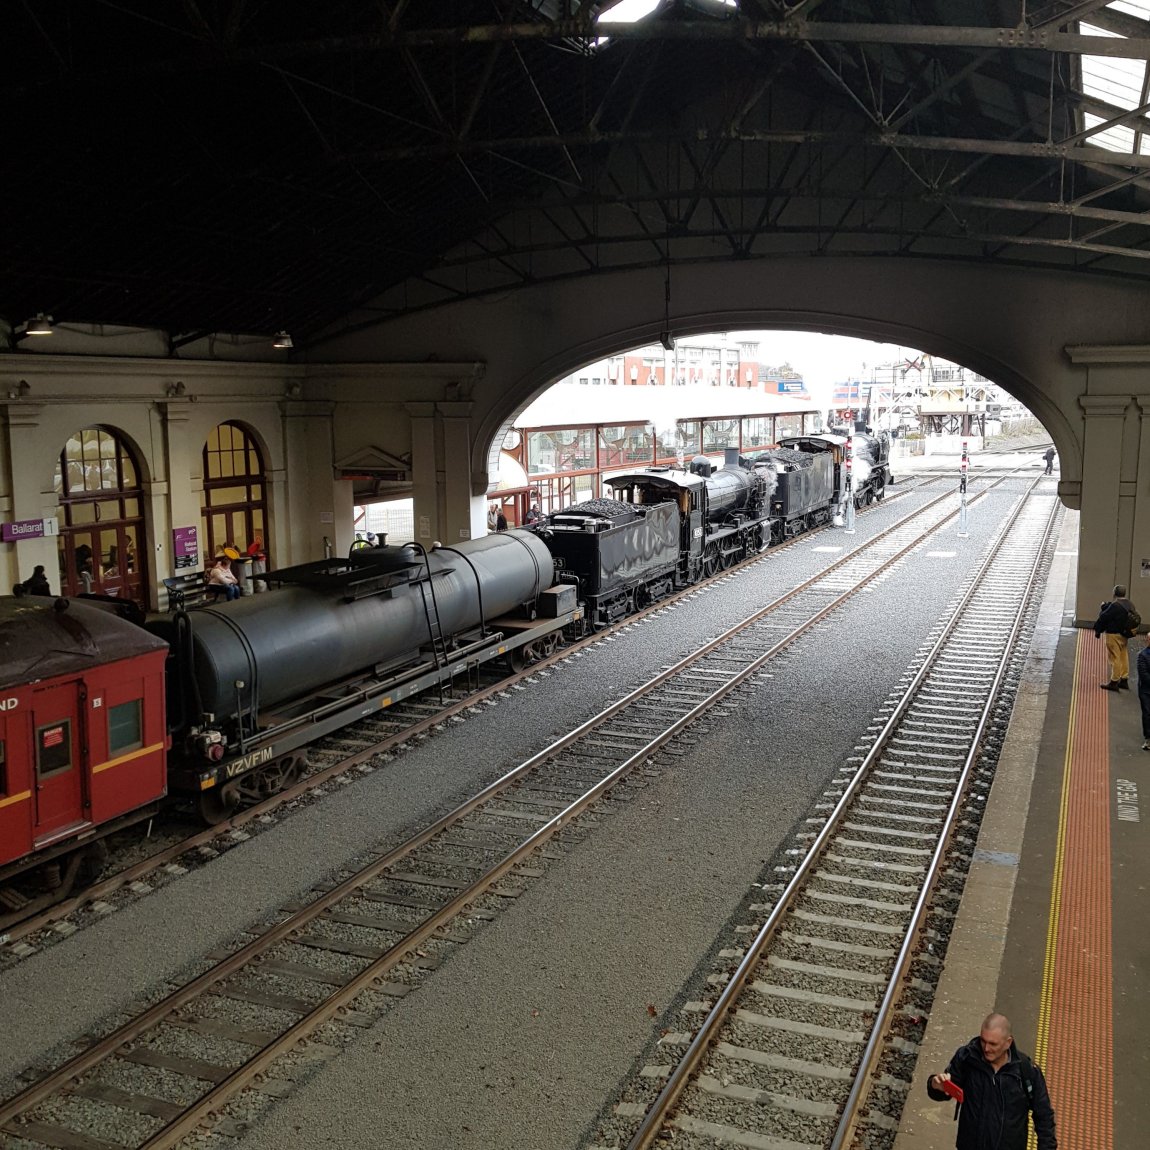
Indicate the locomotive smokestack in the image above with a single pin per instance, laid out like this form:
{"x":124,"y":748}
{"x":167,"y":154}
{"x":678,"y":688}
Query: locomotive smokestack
{"x":731,"y":457}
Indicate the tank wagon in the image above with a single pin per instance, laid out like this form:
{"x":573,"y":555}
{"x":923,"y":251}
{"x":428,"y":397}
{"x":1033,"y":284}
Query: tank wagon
{"x":252,"y":682}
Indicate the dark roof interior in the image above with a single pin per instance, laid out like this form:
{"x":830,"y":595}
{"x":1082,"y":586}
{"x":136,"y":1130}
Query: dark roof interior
{"x":250,"y":166}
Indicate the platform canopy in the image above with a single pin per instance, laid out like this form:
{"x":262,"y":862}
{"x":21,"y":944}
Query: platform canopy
{"x":315,"y":168}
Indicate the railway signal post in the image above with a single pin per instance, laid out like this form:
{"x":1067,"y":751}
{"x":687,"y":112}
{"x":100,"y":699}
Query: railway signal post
{"x":848,"y":487}
{"x":963,"y":467}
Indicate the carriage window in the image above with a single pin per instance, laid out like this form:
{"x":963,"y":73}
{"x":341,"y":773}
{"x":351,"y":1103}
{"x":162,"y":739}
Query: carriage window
{"x":125,"y":732}
{"x":53,"y":748}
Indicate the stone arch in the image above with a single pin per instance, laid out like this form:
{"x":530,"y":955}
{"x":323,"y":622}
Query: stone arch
{"x":567,"y":360}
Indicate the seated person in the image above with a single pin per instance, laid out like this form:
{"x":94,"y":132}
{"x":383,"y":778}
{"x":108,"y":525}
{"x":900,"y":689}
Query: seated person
{"x":221,"y":575}
{"x":36,"y":584}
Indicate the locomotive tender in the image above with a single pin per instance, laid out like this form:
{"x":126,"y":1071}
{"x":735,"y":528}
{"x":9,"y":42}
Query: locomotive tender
{"x":666,"y":528}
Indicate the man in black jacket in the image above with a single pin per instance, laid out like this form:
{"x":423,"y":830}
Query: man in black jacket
{"x":1114,"y":622}
{"x":1001,"y":1086}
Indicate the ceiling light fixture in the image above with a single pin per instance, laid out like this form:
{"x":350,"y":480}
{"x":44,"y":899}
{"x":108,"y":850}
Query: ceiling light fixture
{"x":39,"y":324}
{"x":282,"y":340}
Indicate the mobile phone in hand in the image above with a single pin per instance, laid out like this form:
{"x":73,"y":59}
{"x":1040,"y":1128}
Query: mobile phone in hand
{"x":953,"y":1089}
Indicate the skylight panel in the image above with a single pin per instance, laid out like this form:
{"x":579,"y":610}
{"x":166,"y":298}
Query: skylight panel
{"x":628,"y":11}
{"x":1117,"y":139}
{"x":1118,"y":82}
{"x":1139,"y":8}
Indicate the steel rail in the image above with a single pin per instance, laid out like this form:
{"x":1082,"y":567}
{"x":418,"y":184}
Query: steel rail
{"x":289,"y":928}
{"x":873,"y":1048}
{"x":708,"y":1031}
{"x":143,"y":867}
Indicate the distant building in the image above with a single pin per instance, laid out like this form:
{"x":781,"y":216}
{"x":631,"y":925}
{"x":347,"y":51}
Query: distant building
{"x":718,"y":360}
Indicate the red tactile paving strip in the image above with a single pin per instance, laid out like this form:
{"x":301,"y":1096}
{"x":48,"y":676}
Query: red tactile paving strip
{"x":1075,"y":1026}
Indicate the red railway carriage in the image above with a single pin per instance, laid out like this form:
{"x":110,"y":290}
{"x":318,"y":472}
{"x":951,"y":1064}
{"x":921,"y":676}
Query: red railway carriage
{"x":83,"y":741}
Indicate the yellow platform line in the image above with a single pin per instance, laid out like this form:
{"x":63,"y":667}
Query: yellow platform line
{"x":1074,"y":1042}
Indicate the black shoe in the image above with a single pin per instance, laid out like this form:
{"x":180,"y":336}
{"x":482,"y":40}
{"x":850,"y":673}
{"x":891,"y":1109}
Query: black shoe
{"x":1109,"y":686}
{"x":1124,"y":684}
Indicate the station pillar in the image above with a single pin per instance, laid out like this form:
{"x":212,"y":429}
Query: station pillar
{"x":1114,"y":530}
{"x":176,"y":506}
{"x":29,"y":498}
{"x":444,"y":508}
{"x":321,"y":521}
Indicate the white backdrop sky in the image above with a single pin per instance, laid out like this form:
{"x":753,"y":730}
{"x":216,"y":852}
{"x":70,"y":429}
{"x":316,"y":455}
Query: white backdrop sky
{"x":824,"y":360}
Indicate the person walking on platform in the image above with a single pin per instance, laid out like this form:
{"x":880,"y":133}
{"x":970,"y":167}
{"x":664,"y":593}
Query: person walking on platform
{"x":1144,"y":692}
{"x":1049,"y":457}
{"x":1117,"y":620}
{"x":1000,"y":1087}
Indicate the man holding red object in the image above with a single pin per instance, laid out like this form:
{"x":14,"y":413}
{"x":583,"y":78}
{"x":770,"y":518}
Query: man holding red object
{"x":999,"y":1087}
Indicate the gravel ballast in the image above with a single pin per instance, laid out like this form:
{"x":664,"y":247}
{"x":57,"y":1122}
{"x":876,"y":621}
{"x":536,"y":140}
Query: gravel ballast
{"x":524,"y":1034}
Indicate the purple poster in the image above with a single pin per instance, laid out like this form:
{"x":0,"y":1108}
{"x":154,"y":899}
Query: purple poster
{"x":185,"y":546}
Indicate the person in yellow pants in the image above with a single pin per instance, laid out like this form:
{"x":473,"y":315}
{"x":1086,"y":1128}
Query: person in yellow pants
{"x":1117,"y":620}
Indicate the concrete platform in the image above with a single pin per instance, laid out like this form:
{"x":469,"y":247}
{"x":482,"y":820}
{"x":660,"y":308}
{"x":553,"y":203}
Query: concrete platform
{"x":1051,"y":931}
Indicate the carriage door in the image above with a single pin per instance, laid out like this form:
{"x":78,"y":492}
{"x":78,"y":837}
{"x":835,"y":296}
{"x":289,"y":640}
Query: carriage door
{"x":59,"y":781}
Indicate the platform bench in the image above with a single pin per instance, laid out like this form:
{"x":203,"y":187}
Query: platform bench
{"x":191,"y":590}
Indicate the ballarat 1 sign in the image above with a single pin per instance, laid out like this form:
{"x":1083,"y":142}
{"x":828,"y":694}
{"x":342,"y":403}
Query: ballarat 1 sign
{"x":28,"y":529}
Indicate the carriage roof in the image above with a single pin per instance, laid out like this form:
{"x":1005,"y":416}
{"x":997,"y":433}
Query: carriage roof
{"x":37,"y":641}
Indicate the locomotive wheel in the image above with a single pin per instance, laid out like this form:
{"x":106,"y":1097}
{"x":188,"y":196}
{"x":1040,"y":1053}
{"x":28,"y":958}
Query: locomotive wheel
{"x":217,"y":804}
{"x":710,"y":564}
{"x":869,"y":496}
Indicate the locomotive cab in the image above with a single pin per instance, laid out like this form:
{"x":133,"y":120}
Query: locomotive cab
{"x":688,"y":492}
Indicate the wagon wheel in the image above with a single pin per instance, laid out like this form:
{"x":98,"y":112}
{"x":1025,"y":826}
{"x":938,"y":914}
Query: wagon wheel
{"x":218,"y":804}
{"x":92,"y":863}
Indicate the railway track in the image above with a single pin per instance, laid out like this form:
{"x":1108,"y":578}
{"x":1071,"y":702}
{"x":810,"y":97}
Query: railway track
{"x":361,"y":746}
{"x":800,"y":1047}
{"x":345,"y":953}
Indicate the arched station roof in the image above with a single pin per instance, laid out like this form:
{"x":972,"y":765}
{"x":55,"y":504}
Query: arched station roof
{"x":323,"y":168}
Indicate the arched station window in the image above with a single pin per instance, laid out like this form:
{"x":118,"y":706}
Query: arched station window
{"x":234,"y":513}
{"x":102,"y":519}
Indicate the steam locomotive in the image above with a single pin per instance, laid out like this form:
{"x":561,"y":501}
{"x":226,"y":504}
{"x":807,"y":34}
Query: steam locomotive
{"x":667,"y":527}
